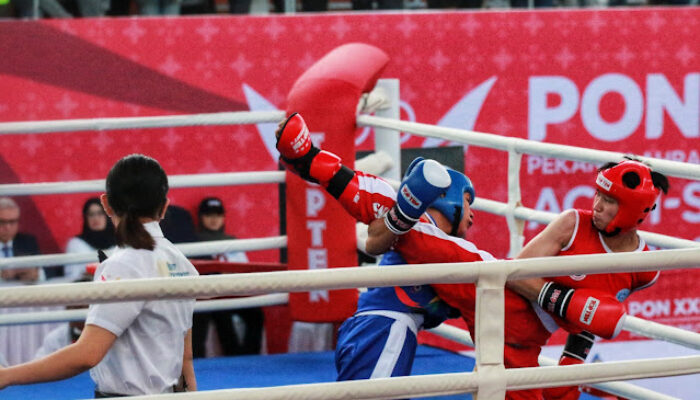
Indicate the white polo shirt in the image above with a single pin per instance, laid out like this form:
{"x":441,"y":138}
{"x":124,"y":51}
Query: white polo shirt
{"x":146,"y":358}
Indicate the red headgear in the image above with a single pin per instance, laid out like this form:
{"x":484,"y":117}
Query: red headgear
{"x":634,"y":203}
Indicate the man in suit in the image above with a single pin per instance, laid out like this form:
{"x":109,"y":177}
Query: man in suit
{"x":14,"y":244}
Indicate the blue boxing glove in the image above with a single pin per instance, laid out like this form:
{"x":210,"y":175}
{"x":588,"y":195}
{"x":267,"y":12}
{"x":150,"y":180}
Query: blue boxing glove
{"x":424,"y":182}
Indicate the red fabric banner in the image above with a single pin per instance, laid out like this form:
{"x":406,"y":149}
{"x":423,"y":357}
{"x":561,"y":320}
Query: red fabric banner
{"x":624,"y":80}
{"x":320,"y":233}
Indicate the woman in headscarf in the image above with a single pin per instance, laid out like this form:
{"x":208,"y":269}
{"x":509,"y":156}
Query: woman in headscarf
{"x":97,"y":234}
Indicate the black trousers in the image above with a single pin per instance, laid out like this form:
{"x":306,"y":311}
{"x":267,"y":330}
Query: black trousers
{"x":231,"y":344}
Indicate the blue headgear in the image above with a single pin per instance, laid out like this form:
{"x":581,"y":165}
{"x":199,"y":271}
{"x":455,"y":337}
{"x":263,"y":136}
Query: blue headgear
{"x":452,"y":204}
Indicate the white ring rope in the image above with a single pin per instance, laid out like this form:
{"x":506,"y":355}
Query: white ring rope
{"x":174,"y":181}
{"x":195,"y":249}
{"x":545,"y":217}
{"x":658,"y":331}
{"x":341,"y":278}
{"x":447,"y":331}
{"x":25,"y":318}
{"x":455,"y":383}
{"x":673,"y":168}
{"x":624,"y":389}
{"x":102,"y":124}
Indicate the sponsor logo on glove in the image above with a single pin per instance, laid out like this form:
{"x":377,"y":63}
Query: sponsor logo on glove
{"x":410,"y":198}
{"x":553,"y":300}
{"x":300,"y":140}
{"x":589,"y":310}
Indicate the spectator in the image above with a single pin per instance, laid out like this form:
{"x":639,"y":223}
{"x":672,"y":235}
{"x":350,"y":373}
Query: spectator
{"x":119,"y":8}
{"x":211,"y":227}
{"x":46,"y":8}
{"x":14,"y":244}
{"x":455,"y":3}
{"x":178,"y":226}
{"x":61,"y":8}
{"x":381,"y":4}
{"x":159,"y":7}
{"x":65,"y":334}
{"x":97,"y":234}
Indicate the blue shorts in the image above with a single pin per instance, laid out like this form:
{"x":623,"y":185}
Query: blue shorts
{"x":375,"y":346}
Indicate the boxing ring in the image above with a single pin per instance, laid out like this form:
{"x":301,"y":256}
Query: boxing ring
{"x":489,"y":379}
{"x":271,"y":287}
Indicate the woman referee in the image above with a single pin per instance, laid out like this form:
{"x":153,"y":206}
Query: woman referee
{"x":138,"y":347}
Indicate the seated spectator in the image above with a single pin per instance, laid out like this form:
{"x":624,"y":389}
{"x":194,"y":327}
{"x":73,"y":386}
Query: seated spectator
{"x":65,"y":334}
{"x":15,"y":244}
{"x":177,"y":225}
{"x":381,"y":4}
{"x":97,"y":234}
{"x":248,"y":341}
{"x":60,"y":8}
{"x":159,"y":7}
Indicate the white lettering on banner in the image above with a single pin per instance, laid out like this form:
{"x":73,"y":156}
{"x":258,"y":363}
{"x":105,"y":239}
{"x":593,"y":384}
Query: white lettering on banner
{"x":315,"y":201}
{"x":650,"y":308}
{"x":686,"y":306}
{"x":661,"y":99}
{"x":675,"y":155}
{"x":539,"y":115}
{"x":317,"y":255}
{"x":316,"y":228}
{"x":590,"y":107}
{"x":575,"y":193}
{"x":691,"y":195}
{"x":318,"y":259}
{"x":551,"y":166}
{"x":547,"y":200}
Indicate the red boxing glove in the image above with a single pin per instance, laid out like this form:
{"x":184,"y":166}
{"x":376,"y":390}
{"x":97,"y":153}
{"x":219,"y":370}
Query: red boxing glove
{"x":293,"y":139}
{"x":587,"y":309}
{"x":575,"y":352}
{"x":301,"y":157}
{"x":563,"y":392}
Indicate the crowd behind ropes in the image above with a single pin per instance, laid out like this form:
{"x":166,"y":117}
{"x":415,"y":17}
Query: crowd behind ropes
{"x":100,"y":8}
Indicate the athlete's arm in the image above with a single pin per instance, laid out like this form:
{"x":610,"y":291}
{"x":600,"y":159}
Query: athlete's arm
{"x":380,"y":238}
{"x":87,"y":352}
{"x":546,"y":244}
{"x":187,"y":367}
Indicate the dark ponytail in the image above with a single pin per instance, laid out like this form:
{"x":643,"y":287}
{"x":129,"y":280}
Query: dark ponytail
{"x":136,"y":188}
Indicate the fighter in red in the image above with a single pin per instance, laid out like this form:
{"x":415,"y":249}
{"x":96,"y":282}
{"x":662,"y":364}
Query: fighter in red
{"x":626,"y":194}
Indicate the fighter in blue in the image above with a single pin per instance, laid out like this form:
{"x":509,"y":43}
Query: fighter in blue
{"x":379,"y":340}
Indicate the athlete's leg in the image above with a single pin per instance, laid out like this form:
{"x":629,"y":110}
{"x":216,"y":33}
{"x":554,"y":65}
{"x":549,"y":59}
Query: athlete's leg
{"x":372,"y":346}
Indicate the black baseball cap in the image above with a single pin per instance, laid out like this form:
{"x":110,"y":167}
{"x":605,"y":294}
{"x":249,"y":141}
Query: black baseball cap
{"x":211,"y":205}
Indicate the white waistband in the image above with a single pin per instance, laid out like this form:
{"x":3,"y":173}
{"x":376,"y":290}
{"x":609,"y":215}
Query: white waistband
{"x":413,"y":321}
{"x":546,"y":319}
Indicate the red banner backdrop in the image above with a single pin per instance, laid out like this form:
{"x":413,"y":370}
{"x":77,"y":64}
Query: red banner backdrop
{"x":317,"y":226}
{"x":624,"y":80}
